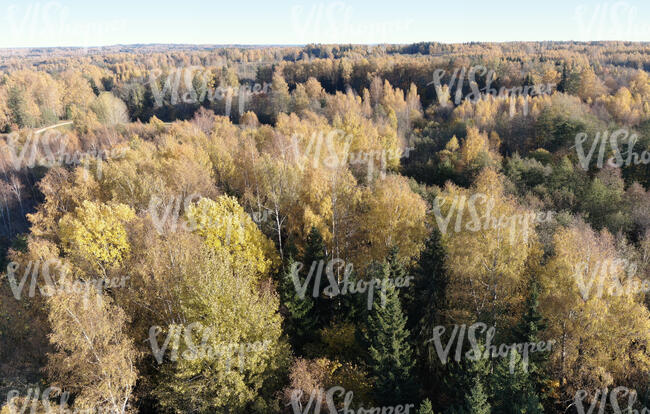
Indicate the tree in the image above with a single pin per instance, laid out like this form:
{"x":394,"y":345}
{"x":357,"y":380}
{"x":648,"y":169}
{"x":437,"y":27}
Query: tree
{"x":278,"y":191}
{"x":95,"y":236}
{"x":225,"y":226}
{"x":235,"y":327}
{"x":428,"y":307}
{"x":311,"y":379}
{"x":18,"y":109}
{"x":429,"y":284}
{"x":602,"y":332}
{"x":301,"y":320}
{"x":110,"y":109}
{"x":315,"y":249}
{"x":315,"y":257}
{"x":476,"y":401}
{"x":425,"y":407}
{"x":390,"y":357}
{"x":530,"y":330}
{"x":93,"y":356}
{"x":280,"y":97}
{"x":466,"y":383}
{"x":395,"y":216}
{"x":512,"y":387}
{"x":499,"y":242}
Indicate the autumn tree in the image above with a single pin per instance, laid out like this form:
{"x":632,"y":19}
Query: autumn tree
{"x":93,"y":357}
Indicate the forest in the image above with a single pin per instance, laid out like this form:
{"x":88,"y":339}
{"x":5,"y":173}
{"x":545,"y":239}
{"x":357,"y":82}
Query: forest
{"x":424,"y":228}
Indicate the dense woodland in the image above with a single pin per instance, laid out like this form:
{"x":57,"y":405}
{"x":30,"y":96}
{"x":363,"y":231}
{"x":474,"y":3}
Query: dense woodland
{"x":207,"y":178}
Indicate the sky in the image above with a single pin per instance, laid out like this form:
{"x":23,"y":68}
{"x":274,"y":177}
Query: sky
{"x":87,"y":23}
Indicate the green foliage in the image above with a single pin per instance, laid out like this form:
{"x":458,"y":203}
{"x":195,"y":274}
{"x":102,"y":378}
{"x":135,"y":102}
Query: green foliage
{"x":512,"y":388}
{"x":300,"y":322}
{"x":476,"y":402}
{"x":425,"y":407}
{"x":390,"y":357}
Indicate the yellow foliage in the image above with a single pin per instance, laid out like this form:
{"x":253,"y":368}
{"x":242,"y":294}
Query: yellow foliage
{"x":225,"y":226}
{"x":95,"y":234}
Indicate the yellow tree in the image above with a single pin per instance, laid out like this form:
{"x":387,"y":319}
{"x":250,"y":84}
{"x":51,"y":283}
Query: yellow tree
{"x":476,"y":143}
{"x":209,"y":327}
{"x":490,"y":245}
{"x":225,"y":226}
{"x":277,"y":192}
{"x":394,"y":216}
{"x":93,"y":357}
{"x":601,"y":327}
{"x":94,"y":236}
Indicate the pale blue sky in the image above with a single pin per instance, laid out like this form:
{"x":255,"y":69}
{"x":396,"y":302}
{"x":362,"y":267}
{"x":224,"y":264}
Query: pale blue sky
{"x":28,"y":23}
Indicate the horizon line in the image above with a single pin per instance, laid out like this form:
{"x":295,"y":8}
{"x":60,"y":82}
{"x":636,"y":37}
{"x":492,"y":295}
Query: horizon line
{"x":235,"y":45}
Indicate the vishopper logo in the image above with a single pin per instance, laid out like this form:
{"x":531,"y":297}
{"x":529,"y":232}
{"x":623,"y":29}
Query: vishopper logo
{"x":334,"y":151}
{"x":445,"y":88}
{"x":334,"y":22}
{"x":50,"y":149}
{"x":37,"y":401}
{"x":207,"y":349}
{"x":615,"y":142}
{"x":300,"y":405}
{"x":51,"y":284}
{"x":192,"y":85}
{"x":346,"y":286}
{"x":611,"y":21}
{"x":260,"y":216}
{"x":616,"y":277}
{"x":166,"y":216}
{"x":489,"y":351}
{"x":515,"y":223}
{"x":598,"y":403}
{"x":166,"y":213}
{"x":35,"y":24}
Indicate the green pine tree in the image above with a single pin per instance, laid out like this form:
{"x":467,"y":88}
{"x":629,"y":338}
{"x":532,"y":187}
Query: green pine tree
{"x":396,"y":270}
{"x":301,"y":320}
{"x":395,"y":265}
{"x":425,"y":312}
{"x":512,"y":387}
{"x":462,"y":377}
{"x":562,"y":86}
{"x":476,"y":401}
{"x":425,"y":407}
{"x":528,"y":331}
{"x":532,"y":322}
{"x":390,"y":356}
{"x":314,"y":248}
{"x":429,"y":285}
{"x":315,"y":253}
{"x":350,"y":307}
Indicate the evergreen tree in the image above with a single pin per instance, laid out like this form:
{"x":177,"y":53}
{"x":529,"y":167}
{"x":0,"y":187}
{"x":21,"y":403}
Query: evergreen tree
{"x":512,"y":387}
{"x":425,"y":407}
{"x":315,"y":256}
{"x":425,"y":312}
{"x":562,"y":86}
{"x":428,"y":289}
{"x":397,"y":270}
{"x":314,"y":248}
{"x":476,"y":402}
{"x":464,"y":378}
{"x":300,"y":321}
{"x":390,"y":356}
{"x":528,"y":331}
{"x":350,"y":307}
